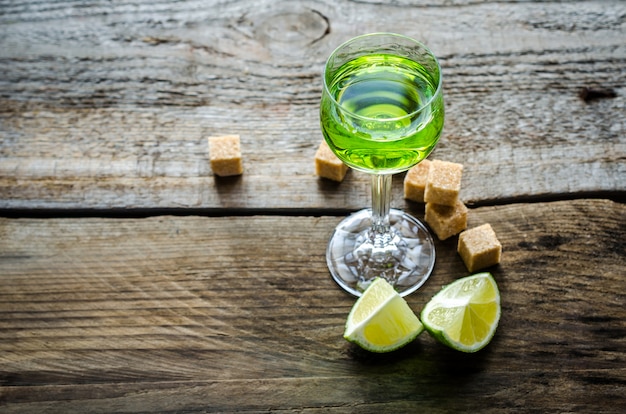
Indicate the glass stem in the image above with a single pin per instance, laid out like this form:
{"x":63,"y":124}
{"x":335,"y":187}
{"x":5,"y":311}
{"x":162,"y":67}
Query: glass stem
{"x":381,"y":201}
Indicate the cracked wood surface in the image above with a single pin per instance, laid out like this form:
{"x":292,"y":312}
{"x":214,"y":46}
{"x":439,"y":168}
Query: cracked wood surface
{"x":217,"y":314}
{"x":227,"y":305}
{"x":108,"y":106}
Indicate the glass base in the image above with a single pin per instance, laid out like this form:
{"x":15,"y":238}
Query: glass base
{"x":356,"y":254}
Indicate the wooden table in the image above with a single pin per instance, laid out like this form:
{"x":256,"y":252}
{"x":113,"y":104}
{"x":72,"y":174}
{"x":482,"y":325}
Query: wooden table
{"x":133,"y":280}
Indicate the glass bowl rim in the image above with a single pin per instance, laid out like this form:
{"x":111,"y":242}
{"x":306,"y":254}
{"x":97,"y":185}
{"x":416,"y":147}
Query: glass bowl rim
{"x":390,"y":34}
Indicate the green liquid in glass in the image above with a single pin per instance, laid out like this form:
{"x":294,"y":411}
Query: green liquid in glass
{"x":387,"y":119}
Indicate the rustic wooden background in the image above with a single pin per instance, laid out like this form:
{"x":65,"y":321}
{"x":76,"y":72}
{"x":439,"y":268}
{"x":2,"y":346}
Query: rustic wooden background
{"x":133,"y":280}
{"x":108,"y":106}
{"x":217,"y":314}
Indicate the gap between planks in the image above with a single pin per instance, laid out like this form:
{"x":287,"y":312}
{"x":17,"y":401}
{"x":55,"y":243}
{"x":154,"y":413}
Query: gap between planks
{"x":133,"y":213}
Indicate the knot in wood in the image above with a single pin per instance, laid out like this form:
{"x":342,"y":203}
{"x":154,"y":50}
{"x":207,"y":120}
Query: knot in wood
{"x":290,"y":30}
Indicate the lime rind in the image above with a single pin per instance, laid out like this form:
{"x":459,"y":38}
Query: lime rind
{"x":457,"y":298}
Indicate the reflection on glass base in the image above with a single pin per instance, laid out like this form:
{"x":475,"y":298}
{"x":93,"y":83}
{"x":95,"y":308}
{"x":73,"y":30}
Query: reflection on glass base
{"x":356,"y":255}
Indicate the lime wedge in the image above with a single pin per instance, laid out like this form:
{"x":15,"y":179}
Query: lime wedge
{"x":464,"y":315}
{"x":381,"y":320}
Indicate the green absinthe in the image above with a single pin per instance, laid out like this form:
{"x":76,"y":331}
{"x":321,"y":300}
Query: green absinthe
{"x":389,"y":114}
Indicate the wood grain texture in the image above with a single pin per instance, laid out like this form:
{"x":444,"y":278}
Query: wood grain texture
{"x":108,"y":105}
{"x":220,"y":314}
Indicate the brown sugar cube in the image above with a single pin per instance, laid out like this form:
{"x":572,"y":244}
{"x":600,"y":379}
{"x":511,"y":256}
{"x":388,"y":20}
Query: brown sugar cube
{"x":415,"y":181}
{"x":446,"y":221}
{"x":327,"y":164}
{"x":479,"y":247}
{"x":225,"y":155}
{"x":444,"y":183}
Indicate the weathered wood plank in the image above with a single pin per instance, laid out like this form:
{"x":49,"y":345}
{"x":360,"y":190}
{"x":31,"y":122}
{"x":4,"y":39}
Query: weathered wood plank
{"x":108,"y":106}
{"x":224,"y":314}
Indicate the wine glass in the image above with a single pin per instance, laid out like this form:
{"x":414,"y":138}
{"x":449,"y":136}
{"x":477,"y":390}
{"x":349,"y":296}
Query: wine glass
{"x":381,"y":113}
